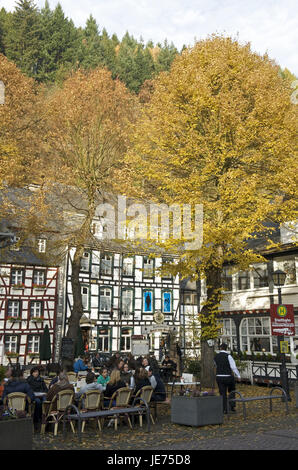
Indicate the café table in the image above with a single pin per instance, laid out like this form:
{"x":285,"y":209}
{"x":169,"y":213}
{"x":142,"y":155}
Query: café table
{"x":181,"y":385}
{"x":40,"y":394}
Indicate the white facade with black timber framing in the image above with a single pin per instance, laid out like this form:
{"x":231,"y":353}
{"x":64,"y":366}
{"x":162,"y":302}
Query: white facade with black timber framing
{"x":28,"y":302}
{"x":123,"y":295}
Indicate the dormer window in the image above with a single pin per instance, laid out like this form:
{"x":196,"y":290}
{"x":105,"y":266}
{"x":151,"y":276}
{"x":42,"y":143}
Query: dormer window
{"x":42,"y":244}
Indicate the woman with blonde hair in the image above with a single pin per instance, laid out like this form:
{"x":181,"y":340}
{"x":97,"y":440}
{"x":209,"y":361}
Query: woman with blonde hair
{"x":114,"y":383}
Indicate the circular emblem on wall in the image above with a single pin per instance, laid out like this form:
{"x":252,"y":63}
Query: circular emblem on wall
{"x":281,"y":310}
{"x":159,"y":317}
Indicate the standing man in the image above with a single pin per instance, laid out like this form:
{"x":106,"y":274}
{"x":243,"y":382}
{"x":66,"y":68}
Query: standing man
{"x":225,"y":371}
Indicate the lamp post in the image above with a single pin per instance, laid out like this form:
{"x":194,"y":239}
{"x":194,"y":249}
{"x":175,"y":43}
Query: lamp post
{"x":279,"y":278}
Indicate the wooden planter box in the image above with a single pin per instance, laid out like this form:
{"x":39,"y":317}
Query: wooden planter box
{"x":16,"y":434}
{"x":197,"y":411}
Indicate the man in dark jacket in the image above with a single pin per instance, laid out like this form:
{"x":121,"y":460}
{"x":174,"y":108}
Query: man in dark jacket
{"x":17,"y":384}
{"x":225,"y":370}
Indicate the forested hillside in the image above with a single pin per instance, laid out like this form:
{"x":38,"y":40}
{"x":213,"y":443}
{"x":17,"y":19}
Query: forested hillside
{"x":46,"y":45}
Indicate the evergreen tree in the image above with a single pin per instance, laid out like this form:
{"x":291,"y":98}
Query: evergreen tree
{"x":165,"y":57}
{"x":3,"y":15}
{"x":22,"y":43}
{"x":59,"y":44}
{"x":89,"y":54}
{"x":107,"y":51}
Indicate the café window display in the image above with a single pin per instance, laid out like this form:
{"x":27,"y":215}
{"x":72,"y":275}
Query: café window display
{"x":256,"y":336}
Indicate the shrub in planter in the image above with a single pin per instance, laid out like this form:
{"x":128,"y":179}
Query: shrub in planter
{"x":194,"y":367}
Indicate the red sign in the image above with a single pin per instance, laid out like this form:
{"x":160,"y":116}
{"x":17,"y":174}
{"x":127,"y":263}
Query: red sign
{"x":282,"y":320}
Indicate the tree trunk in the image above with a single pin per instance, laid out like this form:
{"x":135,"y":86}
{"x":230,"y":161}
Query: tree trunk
{"x":77,"y":308}
{"x":208,"y":326}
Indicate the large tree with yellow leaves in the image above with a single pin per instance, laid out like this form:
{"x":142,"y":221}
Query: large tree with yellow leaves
{"x":219,"y":130}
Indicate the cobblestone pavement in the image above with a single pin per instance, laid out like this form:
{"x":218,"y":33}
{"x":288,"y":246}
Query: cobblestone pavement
{"x":284,"y":439}
{"x":270,"y":433}
{"x":262,"y":430}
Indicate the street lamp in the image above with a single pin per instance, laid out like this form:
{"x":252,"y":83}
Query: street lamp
{"x":279,"y":278}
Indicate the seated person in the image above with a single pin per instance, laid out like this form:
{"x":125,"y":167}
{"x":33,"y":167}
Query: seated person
{"x":167,"y":362}
{"x":90,"y":384}
{"x":170,"y":366}
{"x":159,"y":393}
{"x":55,"y":379}
{"x":36,"y":382}
{"x":96,"y":361}
{"x":141,"y":379}
{"x":126,"y":374}
{"x":16,"y":383}
{"x":38,"y":385}
{"x":61,"y":384}
{"x":119,"y":364}
{"x":114,"y":384}
{"x":80,"y":365}
{"x":145,"y":363}
{"x":103,"y":378}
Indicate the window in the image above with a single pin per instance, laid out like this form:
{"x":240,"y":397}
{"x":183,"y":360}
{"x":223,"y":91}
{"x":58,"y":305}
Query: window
{"x":190,"y":298}
{"x":17,"y":277}
{"x":127,"y":301}
{"x":85,"y":261}
{"x":148,"y":301}
{"x":125,"y":341}
{"x":167,"y":302}
{"x":289,"y":267}
{"x":128,"y":263}
{"x":166,"y":262}
{"x":13,"y":308}
{"x":42,"y":244}
{"x":256,"y":335}
{"x":85,"y":297}
{"x":11,"y":343}
{"x":16,"y":244}
{"x":227,"y":279}
{"x":106,"y":265}
{"x":33,"y":344}
{"x":260,"y":274}
{"x":243,"y":280}
{"x":105,"y":302}
{"x":36,"y":309}
{"x":228,"y":333}
{"x":103,"y":340}
{"x":39,"y":277}
{"x":148,"y":267}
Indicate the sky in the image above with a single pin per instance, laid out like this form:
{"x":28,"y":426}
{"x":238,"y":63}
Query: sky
{"x":269,"y":25}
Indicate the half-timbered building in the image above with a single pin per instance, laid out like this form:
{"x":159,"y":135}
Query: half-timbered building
{"x":28,"y":302}
{"x":124,"y":295}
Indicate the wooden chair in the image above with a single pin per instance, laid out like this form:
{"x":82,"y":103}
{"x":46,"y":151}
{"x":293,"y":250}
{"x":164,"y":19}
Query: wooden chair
{"x":122,"y":398}
{"x":17,"y":401}
{"x":52,"y":411}
{"x":145,"y":393}
{"x":72,"y":377}
{"x":92,"y":400}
